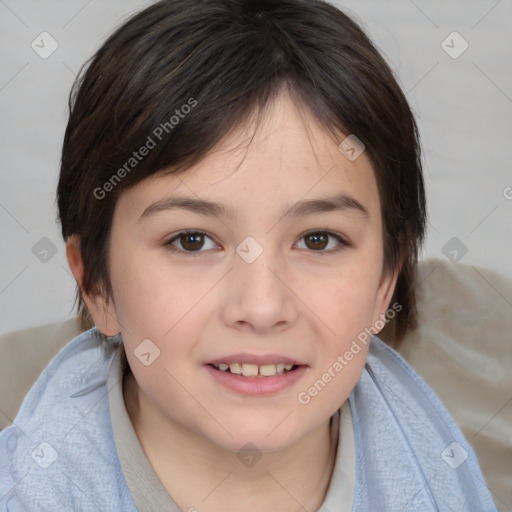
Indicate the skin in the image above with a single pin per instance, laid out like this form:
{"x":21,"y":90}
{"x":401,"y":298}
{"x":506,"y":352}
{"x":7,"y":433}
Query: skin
{"x":298,"y":298}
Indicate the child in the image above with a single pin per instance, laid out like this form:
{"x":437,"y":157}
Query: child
{"x":242,"y":202}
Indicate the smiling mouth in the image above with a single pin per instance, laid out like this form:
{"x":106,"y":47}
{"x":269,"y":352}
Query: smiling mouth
{"x":254,"y":370}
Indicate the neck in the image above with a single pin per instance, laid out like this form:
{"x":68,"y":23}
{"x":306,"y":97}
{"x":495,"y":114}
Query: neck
{"x":200,"y":475}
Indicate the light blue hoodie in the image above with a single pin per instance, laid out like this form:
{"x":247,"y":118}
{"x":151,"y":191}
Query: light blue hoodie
{"x":60,"y":453}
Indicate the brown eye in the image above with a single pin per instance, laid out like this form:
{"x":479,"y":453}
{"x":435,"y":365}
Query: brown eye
{"x":317,"y":241}
{"x":324,"y":242}
{"x":191,"y":241}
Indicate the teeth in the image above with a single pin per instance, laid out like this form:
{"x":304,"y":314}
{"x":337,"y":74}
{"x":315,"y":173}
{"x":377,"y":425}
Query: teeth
{"x":267,"y":370}
{"x":253,"y":370}
{"x":235,"y":368}
{"x":249,"y":370}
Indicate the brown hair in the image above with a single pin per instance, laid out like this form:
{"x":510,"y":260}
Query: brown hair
{"x":227,"y":59}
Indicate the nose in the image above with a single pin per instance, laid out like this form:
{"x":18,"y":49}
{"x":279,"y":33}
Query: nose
{"x":259,"y":295}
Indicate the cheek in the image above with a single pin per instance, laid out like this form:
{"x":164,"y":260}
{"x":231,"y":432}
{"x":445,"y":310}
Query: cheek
{"x":154,"y":304}
{"x":346,"y":302}
{"x":151,"y":299}
{"x":345,"y":307}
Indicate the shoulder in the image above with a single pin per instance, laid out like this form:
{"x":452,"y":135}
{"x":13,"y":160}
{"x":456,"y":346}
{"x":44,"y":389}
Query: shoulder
{"x":406,"y":441}
{"x":80,"y":367}
{"x":61,"y":438}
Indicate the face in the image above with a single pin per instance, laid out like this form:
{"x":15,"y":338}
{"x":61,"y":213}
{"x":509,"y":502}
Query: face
{"x":256,"y":283}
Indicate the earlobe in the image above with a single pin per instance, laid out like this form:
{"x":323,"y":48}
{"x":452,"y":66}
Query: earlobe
{"x":101,"y":309}
{"x":104,"y":316}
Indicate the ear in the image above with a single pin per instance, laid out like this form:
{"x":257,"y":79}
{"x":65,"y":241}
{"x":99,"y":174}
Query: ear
{"x":385,"y":294}
{"x":101,"y":309}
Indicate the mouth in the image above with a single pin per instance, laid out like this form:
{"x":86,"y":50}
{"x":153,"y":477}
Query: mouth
{"x":256,"y":376}
{"x":253,"y":370}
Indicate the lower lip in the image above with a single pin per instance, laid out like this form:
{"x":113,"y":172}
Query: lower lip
{"x":256,"y":386}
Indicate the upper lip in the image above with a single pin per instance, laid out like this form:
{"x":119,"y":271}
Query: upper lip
{"x":260,"y":360}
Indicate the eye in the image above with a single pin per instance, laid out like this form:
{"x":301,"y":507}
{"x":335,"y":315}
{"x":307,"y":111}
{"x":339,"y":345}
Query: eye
{"x":190,"y":241}
{"x":318,"y":241}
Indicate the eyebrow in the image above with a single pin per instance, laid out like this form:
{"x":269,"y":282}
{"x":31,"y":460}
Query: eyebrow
{"x":341,"y":202}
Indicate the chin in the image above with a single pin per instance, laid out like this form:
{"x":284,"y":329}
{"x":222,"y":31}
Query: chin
{"x":258,"y":444}
{"x":265,"y":438}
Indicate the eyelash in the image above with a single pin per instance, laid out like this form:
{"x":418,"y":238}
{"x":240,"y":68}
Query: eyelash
{"x":344,"y":244}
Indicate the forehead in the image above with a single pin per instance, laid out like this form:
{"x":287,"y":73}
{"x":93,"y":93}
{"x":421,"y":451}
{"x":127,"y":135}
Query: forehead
{"x":285,"y":156}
